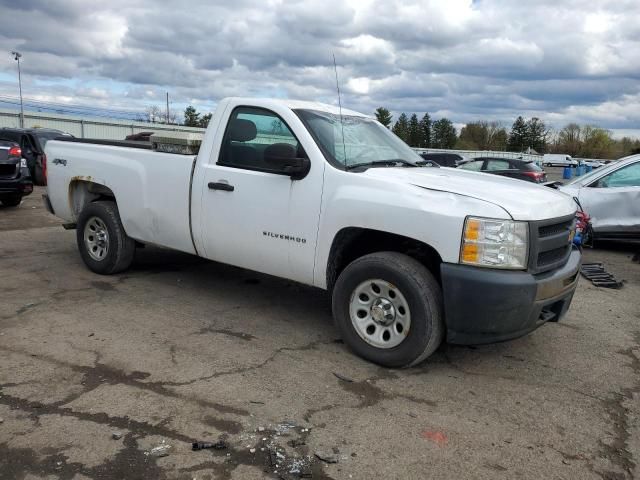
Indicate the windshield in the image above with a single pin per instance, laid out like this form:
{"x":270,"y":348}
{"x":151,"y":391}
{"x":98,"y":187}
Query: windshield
{"x":365,"y":140}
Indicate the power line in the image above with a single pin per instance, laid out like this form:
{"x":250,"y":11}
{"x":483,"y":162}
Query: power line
{"x":73,"y":108}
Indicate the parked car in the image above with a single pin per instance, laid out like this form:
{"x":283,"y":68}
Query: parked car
{"x":558,"y":160}
{"x":409,"y":255}
{"x":32,"y":142}
{"x":507,"y":167}
{"x":611,"y":196}
{"x":15,"y":180}
{"x":444,"y":159}
{"x":139,"y":137}
{"x":590,"y":163}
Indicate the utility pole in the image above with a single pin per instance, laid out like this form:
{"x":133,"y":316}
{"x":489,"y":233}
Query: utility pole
{"x":167,"y":108}
{"x":16,"y":57}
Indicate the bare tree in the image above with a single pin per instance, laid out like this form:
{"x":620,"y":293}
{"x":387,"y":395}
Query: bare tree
{"x":154,"y":114}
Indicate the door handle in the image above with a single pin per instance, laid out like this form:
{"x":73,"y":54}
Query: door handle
{"x":221,"y":186}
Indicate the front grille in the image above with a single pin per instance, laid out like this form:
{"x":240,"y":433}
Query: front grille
{"x":550,"y":243}
{"x":8,"y":170}
{"x":548,"y":230}
{"x":551,"y":256}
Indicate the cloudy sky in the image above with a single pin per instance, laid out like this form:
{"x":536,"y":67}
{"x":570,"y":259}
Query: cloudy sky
{"x":561,"y":60}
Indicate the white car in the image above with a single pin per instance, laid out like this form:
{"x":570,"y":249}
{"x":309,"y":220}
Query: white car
{"x":611,"y":196}
{"x":409,"y":254}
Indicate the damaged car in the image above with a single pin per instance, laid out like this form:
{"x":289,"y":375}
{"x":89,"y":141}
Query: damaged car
{"x":611,"y":196}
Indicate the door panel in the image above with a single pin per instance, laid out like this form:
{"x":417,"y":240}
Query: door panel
{"x":613,"y":201}
{"x":264,"y":220}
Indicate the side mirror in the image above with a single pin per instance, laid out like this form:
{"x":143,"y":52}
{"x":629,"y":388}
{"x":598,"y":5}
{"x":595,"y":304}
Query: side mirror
{"x":282,"y":157}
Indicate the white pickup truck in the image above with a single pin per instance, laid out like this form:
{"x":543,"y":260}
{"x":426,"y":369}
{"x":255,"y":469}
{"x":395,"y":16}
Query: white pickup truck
{"x":410,"y":254}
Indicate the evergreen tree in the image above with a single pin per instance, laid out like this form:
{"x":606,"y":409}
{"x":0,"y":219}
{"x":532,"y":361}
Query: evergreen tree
{"x":204,"y":121}
{"x":444,"y":134}
{"x":537,"y":135}
{"x":384,"y":116}
{"x":401,"y":128}
{"x":414,"y":131}
{"x":191,"y":117}
{"x":425,"y":131}
{"x":518,"y":136}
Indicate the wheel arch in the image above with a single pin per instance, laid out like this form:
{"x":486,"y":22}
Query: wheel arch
{"x":351,"y":243}
{"x":83,"y":191}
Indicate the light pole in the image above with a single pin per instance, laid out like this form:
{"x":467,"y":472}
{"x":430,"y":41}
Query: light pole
{"x":16,"y":57}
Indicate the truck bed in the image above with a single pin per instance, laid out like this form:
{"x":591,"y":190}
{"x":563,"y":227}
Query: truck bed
{"x":152,"y":188}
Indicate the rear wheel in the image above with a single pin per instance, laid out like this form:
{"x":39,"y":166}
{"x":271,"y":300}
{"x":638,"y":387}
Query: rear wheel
{"x":12,"y":200}
{"x":388,"y":308}
{"x":102,"y":241}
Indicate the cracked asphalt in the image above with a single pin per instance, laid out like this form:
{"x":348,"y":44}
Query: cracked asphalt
{"x":179,"y":349}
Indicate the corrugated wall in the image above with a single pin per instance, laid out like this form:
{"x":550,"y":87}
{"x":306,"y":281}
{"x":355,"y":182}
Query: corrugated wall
{"x":81,"y":127}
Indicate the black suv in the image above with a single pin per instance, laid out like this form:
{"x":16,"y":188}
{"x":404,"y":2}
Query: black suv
{"x":15,"y":180}
{"x":32,"y":142}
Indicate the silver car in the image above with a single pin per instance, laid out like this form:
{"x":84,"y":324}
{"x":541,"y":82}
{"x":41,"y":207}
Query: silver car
{"x":611,"y":196}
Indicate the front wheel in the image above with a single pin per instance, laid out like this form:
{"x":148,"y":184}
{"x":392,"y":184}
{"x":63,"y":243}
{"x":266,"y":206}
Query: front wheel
{"x":388,"y":308}
{"x":102,"y":241}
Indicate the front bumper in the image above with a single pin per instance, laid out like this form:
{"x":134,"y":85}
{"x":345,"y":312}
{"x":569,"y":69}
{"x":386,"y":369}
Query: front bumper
{"x":487,"y":306}
{"x":20,"y":185}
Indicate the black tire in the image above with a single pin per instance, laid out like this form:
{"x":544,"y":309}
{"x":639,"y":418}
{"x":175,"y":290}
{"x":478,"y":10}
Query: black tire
{"x":38,"y":176}
{"x":12,"y":201}
{"x":422,"y":293}
{"x":121,"y":249}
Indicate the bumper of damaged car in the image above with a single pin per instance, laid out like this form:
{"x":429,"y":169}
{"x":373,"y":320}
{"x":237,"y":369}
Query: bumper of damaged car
{"x":487,"y":306}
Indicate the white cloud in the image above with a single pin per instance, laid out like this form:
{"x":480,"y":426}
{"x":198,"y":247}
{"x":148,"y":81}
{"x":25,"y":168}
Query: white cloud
{"x":489,"y":59}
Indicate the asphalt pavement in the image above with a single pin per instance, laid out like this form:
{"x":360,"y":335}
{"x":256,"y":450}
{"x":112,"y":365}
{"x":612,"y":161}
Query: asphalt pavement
{"x":115,"y":377}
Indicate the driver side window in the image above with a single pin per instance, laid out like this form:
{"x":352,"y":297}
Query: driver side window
{"x":628,"y":176}
{"x":255,"y":139}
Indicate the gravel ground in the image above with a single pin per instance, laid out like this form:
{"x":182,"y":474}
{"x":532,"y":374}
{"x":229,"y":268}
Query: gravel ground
{"x":179,"y":349}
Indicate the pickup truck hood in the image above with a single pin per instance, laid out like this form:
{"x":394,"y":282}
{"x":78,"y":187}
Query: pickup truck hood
{"x":521,"y":200}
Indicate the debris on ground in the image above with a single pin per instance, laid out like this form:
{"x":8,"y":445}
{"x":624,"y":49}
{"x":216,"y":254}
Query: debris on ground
{"x":596,"y":273}
{"x":436,"y":436}
{"x":161,"y":450}
{"x":261,"y":429}
{"x":326,"y":457}
{"x":343,"y":378}
{"x":116,"y":435}
{"x":1,"y":420}
{"x":219,"y":445}
{"x":285,"y":426}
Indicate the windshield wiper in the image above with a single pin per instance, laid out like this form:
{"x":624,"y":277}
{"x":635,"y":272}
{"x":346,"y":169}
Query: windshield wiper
{"x":383,"y":163}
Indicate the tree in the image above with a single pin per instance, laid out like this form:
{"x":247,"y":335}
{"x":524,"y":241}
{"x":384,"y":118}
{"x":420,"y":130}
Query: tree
{"x":537,"y":133}
{"x":384,"y":116}
{"x":596,"y":142}
{"x":518,"y":135}
{"x":425,"y":131}
{"x":401,"y":128}
{"x":474,"y":136}
{"x":191,"y":117}
{"x":414,"y":131}
{"x":444,"y":134}
{"x":204,"y":121}
{"x":153,"y":114}
{"x":569,"y":140}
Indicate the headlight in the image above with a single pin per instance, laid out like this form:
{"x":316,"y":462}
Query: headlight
{"x":488,"y":242}
{"x":23,"y":163}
